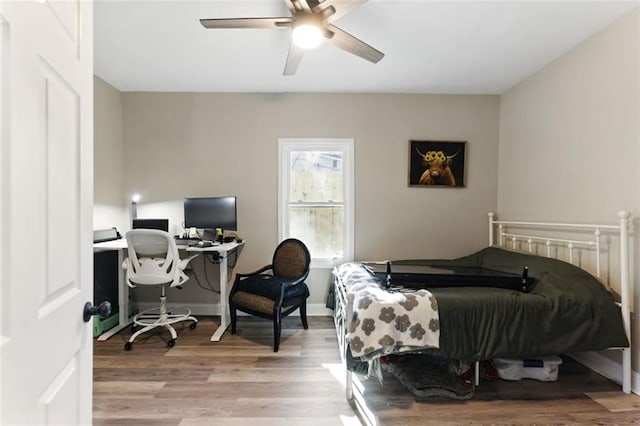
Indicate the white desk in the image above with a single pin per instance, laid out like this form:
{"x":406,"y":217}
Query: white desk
{"x":123,"y":288}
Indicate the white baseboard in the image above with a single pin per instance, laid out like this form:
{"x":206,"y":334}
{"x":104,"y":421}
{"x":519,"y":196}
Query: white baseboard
{"x":209,"y":309}
{"x":606,"y":367}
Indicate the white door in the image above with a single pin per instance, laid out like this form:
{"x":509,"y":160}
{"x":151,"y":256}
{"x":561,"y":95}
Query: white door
{"x":46,"y":181}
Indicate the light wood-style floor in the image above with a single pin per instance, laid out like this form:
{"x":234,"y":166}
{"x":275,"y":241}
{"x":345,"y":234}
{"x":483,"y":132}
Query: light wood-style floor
{"x":240,"y":381}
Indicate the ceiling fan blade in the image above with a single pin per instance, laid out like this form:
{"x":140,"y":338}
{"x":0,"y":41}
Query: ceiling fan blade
{"x":334,"y":9}
{"x":293,"y":59}
{"x":284,"y":22}
{"x":351,"y":44}
{"x":300,"y":5}
{"x":291,"y":6}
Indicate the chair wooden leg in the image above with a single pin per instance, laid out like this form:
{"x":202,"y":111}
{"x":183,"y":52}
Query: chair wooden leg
{"x":277,"y":328}
{"x":232,"y":313}
{"x":303,"y":314}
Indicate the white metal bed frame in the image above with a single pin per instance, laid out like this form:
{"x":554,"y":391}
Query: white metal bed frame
{"x":506,"y":234}
{"x":623,"y":230}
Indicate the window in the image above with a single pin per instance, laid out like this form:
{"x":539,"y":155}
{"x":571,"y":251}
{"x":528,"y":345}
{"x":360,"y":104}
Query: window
{"x":315,"y":197}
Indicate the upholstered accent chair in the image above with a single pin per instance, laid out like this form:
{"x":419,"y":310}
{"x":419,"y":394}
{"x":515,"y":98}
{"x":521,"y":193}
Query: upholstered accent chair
{"x":276,"y":290}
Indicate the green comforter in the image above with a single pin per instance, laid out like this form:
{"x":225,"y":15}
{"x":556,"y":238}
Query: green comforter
{"x":568,"y":310}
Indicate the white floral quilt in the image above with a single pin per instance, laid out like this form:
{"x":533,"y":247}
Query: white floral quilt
{"x":381,"y":321}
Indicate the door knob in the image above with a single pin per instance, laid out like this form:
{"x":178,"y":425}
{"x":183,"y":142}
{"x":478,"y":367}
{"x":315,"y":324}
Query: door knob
{"x":103,"y":310}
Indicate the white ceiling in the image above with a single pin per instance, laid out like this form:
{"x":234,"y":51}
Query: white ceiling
{"x":462,"y":47}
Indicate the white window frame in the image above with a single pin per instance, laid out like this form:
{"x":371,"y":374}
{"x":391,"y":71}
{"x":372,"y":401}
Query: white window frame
{"x":344,"y":145}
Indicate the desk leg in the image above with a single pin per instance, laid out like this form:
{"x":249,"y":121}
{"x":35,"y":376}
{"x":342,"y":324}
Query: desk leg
{"x":123,"y":302}
{"x":225,"y":318}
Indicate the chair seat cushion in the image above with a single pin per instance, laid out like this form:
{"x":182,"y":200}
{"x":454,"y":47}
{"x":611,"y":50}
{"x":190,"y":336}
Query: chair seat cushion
{"x":269,"y":286}
{"x":254,"y":302}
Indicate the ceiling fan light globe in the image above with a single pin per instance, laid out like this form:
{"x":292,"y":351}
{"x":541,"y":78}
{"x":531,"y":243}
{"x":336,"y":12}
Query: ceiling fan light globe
{"x":307,"y":36}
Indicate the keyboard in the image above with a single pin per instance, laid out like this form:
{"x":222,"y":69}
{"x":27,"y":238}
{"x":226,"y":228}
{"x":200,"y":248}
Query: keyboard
{"x":195,"y":243}
{"x":186,"y":241}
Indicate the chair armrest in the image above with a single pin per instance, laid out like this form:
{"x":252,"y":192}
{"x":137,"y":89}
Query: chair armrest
{"x":259,"y":271}
{"x":184,"y":262}
{"x":285,"y":284}
{"x":240,"y":276}
{"x":292,"y":282}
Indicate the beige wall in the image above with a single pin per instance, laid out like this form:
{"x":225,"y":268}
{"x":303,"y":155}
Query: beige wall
{"x":109,"y":199}
{"x":186,"y":144}
{"x":570,"y":139}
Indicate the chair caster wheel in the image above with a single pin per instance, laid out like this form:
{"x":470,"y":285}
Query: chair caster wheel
{"x":193,"y":325}
{"x":128,"y":346}
{"x":171,"y":343}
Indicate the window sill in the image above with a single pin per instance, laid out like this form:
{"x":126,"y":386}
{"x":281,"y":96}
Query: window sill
{"x":326,"y":263}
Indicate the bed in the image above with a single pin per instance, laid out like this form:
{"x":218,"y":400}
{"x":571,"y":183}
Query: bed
{"x":571,"y":306}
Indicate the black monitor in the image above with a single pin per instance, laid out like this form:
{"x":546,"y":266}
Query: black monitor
{"x":161,"y":224}
{"x":211,"y":213}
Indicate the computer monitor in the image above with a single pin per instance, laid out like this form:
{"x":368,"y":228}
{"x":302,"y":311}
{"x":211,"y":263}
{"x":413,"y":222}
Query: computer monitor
{"x":161,"y":224}
{"x":211,"y":213}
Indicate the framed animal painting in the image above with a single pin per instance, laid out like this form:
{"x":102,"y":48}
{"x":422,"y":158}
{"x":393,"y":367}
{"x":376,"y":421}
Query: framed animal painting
{"x":436,"y":163}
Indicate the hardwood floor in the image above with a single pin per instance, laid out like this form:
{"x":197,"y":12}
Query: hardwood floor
{"x":241,"y":381}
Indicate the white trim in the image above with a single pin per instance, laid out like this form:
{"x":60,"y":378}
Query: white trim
{"x":606,"y":367}
{"x":346,"y":146}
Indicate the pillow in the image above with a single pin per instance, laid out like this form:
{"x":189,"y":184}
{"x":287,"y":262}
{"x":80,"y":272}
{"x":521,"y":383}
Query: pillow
{"x":269,"y":286}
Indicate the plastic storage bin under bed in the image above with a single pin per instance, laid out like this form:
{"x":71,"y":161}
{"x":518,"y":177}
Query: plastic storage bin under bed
{"x":544,"y":369}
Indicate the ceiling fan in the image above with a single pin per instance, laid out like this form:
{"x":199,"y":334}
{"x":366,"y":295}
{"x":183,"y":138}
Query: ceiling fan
{"x":311,"y":21}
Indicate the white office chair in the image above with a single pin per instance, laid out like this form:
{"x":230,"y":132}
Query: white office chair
{"x":154,"y":261}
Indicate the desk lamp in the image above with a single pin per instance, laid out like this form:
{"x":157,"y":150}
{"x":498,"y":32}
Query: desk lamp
{"x":134,"y":206}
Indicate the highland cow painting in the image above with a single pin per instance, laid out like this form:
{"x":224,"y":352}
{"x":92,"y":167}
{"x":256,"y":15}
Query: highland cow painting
{"x":436,"y":164}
